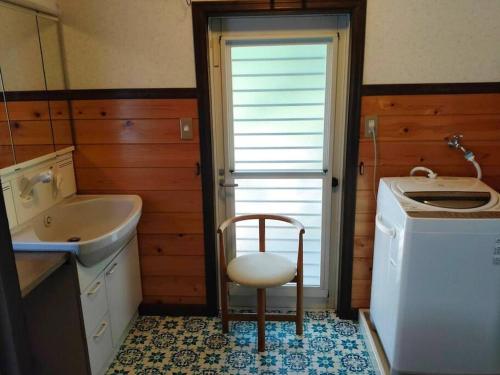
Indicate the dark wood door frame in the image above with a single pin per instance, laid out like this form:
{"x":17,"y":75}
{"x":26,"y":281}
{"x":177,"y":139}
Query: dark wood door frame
{"x":356,"y":9}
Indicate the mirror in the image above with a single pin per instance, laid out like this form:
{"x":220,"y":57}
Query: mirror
{"x":32,"y":123}
{"x":51,"y":53}
{"x":50,"y":43}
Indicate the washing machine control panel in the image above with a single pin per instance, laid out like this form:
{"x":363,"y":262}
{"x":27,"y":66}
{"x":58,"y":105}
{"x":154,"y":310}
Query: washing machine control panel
{"x":496,"y":253}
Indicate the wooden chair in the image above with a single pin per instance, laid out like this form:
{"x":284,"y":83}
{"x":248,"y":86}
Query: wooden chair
{"x":261,"y":270}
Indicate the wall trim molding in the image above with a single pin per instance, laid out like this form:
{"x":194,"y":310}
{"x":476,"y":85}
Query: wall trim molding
{"x":431,"y":88}
{"x":192,"y":92}
{"x":100,"y":94}
{"x":144,"y":93}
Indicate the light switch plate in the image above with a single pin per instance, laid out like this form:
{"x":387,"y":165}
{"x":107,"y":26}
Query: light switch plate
{"x":371,"y":121}
{"x":186,"y":125}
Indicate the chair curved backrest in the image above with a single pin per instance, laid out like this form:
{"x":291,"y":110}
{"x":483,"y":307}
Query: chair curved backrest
{"x":262,"y":233}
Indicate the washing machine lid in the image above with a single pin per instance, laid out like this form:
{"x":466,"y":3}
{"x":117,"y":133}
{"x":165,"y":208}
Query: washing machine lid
{"x":458,"y":200}
{"x":446,"y":193}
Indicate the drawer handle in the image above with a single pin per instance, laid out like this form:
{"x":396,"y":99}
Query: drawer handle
{"x":112,"y":269}
{"x":95,"y":289}
{"x":99,"y":333}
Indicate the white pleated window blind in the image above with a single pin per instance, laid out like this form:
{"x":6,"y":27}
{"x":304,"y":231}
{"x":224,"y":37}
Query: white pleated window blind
{"x":278,"y":106}
{"x":278,"y":117}
{"x":297,"y":198}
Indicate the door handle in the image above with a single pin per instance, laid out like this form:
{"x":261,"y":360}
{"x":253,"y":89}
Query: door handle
{"x":99,"y":333}
{"x":95,"y":289}
{"x":112,"y":269}
{"x":223,"y":184}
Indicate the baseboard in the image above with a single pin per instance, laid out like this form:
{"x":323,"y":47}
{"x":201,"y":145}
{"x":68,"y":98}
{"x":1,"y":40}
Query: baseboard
{"x":350,"y":314}
{"x":373,"y":344}
{"x":173,"y":310}
{"x":101,"y":94}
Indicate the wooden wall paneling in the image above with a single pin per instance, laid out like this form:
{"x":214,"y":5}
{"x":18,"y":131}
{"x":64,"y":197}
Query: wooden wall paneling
{"x":432,"y":128}
{"x":173,"y":265}
{"x":491,"y":174}
{"x":31,"y":132}
{"x":134,"y":109}
{"x":409,"y":153}
{"x":112,"y":179}
{"x":365,"y":201}
{"x":137,"y":156}
{"x":171,"y":244}
{"x":28,"y":152}
{"x":59,"y":110}
{"x":361,"y":290}
{"x":174,"y":300}
{"x":431,"y":105}
{"x":172,"y":223}
{"x":365,"y":224}
{"x":28,"y":110}
{"x":137,"y":131}
{"x":31,"y":129}
{"x":133,"y":146}
{"x":411,"y":131}
{"x":363,"y":247}
{"x":62,"y":132}
{"x":161,"y":200}
{"x":4,"y":133}
{"x":188,"y":201}
{"x":6,"y":156}
{"x":173,"y":286}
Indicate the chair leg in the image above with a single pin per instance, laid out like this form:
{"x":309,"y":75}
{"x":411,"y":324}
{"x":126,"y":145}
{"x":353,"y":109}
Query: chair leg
{"x":261,"y":319}
{"x":299,"y":317}
{"x":224,"y":306}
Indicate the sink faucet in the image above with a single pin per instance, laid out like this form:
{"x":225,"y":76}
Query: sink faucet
{"x":29,"y":184}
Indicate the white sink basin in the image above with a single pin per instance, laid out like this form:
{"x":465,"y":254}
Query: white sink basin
{"x":91,"y":226}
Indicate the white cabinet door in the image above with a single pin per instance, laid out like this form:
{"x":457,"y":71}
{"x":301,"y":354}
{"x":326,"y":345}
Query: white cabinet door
{"x":123,"y":287}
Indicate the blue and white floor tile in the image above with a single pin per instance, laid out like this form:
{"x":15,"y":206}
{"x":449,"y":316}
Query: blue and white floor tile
{"x":196,"y":345}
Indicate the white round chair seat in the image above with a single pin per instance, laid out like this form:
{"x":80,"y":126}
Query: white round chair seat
{"x":261,"y":270}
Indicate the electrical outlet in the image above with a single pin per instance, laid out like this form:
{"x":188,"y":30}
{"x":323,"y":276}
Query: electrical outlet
{"x":186,"y":125}
{"x":371,"y":125}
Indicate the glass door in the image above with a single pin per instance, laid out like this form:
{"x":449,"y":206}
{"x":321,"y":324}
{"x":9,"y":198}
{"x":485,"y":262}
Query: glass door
{"x":277,"y":99}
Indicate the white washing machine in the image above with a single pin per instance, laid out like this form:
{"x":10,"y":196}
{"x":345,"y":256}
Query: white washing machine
{"x":435,"y":300}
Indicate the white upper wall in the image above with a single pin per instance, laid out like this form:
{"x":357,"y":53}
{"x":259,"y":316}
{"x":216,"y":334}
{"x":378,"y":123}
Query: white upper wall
{"x":138,"y":44}
{"x":128,"y":43}
{"x":431,"y":41}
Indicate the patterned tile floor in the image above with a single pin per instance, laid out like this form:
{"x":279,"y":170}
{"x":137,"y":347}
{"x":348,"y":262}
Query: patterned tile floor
{"x":193,"y":345}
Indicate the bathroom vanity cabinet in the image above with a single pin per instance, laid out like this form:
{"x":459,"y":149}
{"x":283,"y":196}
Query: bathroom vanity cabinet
{"x":111,"y":294}
{"x":77,"y":317}
{"x":52,"y":312}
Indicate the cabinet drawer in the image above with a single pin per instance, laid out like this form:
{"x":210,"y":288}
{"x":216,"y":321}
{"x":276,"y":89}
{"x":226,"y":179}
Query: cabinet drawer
{"x":100,"y":345}
{"x":94,"y":304}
